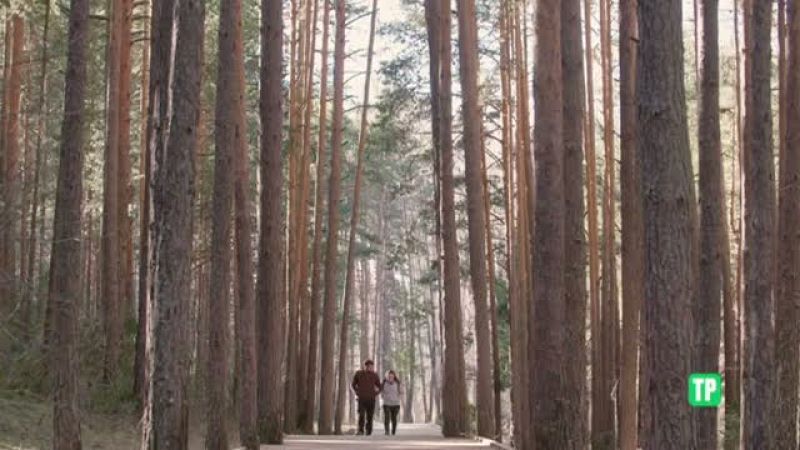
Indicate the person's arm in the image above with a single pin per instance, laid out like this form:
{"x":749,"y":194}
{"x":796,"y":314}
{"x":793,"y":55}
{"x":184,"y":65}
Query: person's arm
{"x":378,"y":385}
{"x":354,"y":385}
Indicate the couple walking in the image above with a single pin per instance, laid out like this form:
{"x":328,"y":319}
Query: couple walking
{"x":367,"y":385}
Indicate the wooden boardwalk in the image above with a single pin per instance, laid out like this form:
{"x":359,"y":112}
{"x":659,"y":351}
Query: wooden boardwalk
{"x":409,"y":436}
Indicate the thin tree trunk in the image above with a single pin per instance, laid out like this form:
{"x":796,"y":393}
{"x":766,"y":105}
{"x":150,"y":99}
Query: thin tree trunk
{"x":708,"y":304}
{"x":9,"y":288}
{"x":65,"y":289}
{"x":510,"y":228}
{"x":784,"y":415}
{"x":311,"y":374}
{"x":354,"y":217}
{"x":228,"y":137}
{"x":493,"y":313}
{"x":327,"y":373}
{"x":574,"y":230}
{"x":592,"y":222}
{"x":124,"y":189}
{"x":305,"y":322}
{"x":271,"y":304}
{"x":140,"y":359}
{"x":668,"y":190}
{"x":609,"y":310}
{"x":525,"y":206}
{"x":454,"y":421}
{"x":41,"y":128}
{"x":110,"y":244}
{"x":732,"y":300}
{"x":632,"y":230}
{"x":296,"y":207}
{"x":364,"y":295}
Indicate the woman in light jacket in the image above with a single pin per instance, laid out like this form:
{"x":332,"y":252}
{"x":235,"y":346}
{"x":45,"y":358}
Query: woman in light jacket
{"x":391,"y":391}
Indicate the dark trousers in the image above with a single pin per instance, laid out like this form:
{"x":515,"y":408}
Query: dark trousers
{"x":390,"y":415}
{"x":366,"y":411}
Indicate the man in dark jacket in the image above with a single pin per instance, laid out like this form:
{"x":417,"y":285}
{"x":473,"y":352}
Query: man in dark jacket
{"x":367,"y":386}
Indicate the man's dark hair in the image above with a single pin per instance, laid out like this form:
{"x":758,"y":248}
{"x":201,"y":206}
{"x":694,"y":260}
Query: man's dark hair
{"x":369,"y":362}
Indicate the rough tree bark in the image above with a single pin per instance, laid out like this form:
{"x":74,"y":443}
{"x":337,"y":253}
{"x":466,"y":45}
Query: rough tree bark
{"x":546,"y":315}
{"x":271,"y":305}
{"x":65,"y":289}
{"x":246,"y":334}
{"x":708,"y":303}
{"x":471,"y":109}
{"x":173,"y":196}
{"x":759,"y":234}
{"x":227,"y":136}
{"x":669,"y":205}
{"x":787,"y":301}
{"x":575,"y":369}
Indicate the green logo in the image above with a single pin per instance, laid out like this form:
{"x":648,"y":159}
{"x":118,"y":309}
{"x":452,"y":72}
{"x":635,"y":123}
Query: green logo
{"x":705,"y":390}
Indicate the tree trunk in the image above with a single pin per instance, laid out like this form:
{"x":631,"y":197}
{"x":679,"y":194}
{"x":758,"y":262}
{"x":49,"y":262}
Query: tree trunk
{"x":311,"y":374}
{"x":354,"y":217}
{"x":327,"y":374}
{"x":33,"y":289}
{"x":296,"y":208}
{"x":708,"y":304}
{"x":632,"y":231}
{"x":784,"y":417}
{"x":65,"y":289}
{"x":271,"y":303}
{"x":574,"y":229}
{"x":668,"y":190}
{"x":546,"y":316}
{"x":454,"y":421}
{"x":305,"y":307}
{"x":124,"y":189}
{"x":9,"y":288}
{"x":469,"y":68}
{"x":173,"y":192}
{"x":228,"y":136}
{"x":759,"y":235}
{"x":140,"y":358}
{"x":594,"y":257}
{"x":110,"y":244}
{"x":364,"y":310}
{"x":609,"y":309}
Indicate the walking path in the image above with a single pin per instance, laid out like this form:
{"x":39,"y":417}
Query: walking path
{"x":409,"y":436}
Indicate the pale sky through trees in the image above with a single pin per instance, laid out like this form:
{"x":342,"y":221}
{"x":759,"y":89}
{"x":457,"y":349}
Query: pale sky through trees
{"x":386,"y":47}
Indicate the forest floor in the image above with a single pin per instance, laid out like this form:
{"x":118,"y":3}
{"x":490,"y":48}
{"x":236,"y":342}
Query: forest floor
{"x":409,"y":436}
{"x":26,"y":424}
